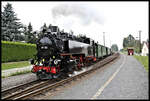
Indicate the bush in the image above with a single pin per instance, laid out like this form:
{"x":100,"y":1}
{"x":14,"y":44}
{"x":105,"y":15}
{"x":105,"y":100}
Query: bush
{"x":17,"y":51}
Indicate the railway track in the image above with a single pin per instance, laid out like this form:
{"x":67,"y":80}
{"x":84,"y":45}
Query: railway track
{"x":8,"y":91}
{"x":50,"y":84}
{"x":24,"y":90}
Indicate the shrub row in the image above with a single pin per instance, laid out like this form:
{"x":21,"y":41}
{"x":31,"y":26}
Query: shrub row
{"x":17,"y":51}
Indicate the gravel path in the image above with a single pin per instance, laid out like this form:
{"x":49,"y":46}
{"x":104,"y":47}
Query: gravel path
{"x":131,"y":82}
{"x":18,"y":79}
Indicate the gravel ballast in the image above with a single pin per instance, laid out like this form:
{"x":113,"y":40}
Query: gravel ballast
{"x":16,"y":80}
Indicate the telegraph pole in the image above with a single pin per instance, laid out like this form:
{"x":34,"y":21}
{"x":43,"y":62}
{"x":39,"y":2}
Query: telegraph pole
{"x":140,"y":39}
{"x":110,"y":43}
{"x":104,"y":38}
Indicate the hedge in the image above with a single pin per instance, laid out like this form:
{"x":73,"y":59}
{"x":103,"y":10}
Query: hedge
{"x":17,"y":51}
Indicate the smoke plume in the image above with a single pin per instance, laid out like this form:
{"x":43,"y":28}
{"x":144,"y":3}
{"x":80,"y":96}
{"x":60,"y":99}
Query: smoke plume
{"x":84,"y":13}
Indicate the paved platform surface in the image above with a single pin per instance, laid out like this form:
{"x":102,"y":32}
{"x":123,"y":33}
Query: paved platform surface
{"x":124,"y":79}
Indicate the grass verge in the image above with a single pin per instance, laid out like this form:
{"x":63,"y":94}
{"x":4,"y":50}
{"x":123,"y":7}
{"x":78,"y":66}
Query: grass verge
{"x":11,"y":65}
{"x":18,"y":73}
{"x":143,"y":60}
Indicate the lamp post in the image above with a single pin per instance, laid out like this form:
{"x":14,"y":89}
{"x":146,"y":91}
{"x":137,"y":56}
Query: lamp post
{"x":140,"y":39}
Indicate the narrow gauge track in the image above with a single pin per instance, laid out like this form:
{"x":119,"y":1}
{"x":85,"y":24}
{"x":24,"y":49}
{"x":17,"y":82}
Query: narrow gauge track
{"x":25,"y":89}
{"x":5,"y":92}
{"x":47,"y":85}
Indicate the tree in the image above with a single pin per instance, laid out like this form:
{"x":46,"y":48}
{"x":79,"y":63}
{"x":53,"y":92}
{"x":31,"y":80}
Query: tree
{"x":114,"y":47}
{"x":30,"y":29}
{"x":130,"y":37}
{"x":125,"y":42}
{"x":49,"y":27}
{"x":131,"y":42}
{"x":30,"y":35}
{"x":10,"y":25}
{"x":25,"y":32}
{"x":43,"y":29}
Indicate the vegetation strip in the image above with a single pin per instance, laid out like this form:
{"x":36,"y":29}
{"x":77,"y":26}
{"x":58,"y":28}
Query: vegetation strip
{"x":17,"y":73}
{"x":143,"y":60}
{"x":11,"y":65}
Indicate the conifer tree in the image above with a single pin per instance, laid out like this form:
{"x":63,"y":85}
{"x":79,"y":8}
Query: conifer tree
{"x":114,"y":47}
{"x":9,"y":24}
{"x":43,"y":30}
{"x":31,"y":36}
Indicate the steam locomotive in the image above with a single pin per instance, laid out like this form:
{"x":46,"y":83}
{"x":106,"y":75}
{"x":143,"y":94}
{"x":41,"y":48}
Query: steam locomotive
{"x":61,"y":53}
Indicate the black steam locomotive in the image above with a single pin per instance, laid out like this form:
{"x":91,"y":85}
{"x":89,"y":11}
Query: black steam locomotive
{"x":60,"y":53}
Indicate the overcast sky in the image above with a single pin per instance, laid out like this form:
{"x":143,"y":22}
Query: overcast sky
{"x":116,"y":19}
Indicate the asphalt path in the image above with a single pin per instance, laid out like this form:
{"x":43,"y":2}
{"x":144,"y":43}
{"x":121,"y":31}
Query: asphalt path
{"x":124,"y":79}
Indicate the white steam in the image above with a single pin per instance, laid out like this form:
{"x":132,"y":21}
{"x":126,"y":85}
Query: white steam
{"x":86,"y":14}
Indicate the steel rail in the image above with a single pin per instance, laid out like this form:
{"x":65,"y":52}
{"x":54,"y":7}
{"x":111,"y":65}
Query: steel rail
{"x":18,"y":87}
{"x":28,"y":89}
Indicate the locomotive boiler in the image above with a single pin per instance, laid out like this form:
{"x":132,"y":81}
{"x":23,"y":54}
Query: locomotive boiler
{"x":57,"y":56}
